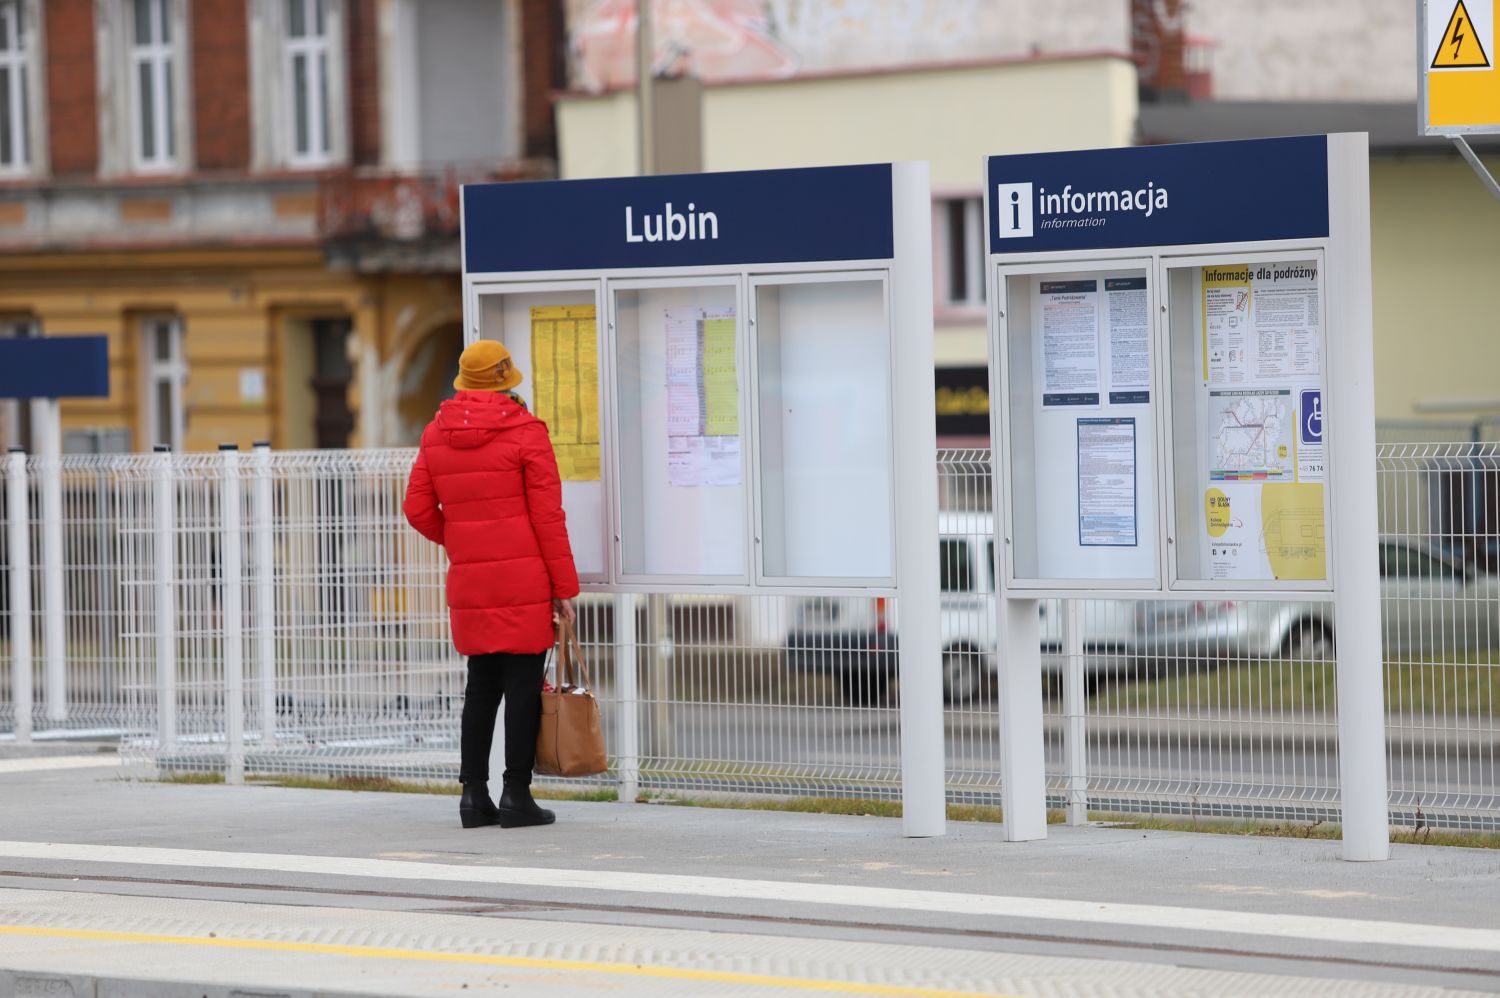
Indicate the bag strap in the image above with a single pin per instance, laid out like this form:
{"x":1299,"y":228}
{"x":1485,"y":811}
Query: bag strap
{"x":570,"y":664}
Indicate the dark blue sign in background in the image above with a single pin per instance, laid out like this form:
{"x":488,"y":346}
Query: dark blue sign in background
{"x":54,"y":367}
{"x":764,"y":216}
{"x":1217,"y":192}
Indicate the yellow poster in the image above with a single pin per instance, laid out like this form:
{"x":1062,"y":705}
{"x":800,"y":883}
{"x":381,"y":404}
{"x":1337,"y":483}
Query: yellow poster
{"x":565,"y":385}
{"x":1291,"y":517}
{"x":721,"y":393}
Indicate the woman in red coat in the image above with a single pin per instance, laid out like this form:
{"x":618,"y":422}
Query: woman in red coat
{"x":485,"y":486}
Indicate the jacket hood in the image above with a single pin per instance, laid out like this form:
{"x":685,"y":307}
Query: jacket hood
{"x":473,"y":419}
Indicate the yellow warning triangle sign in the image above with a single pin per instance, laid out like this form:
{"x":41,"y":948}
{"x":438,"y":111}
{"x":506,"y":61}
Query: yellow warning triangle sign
{"x":1460,"y":47}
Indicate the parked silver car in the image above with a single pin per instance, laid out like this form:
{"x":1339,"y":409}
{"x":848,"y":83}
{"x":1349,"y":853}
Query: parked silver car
{"x":1430,"y":602}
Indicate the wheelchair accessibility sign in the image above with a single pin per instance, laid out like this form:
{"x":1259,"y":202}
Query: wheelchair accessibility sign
{"x":1310,"y":463}
{"x":1312,"y":416}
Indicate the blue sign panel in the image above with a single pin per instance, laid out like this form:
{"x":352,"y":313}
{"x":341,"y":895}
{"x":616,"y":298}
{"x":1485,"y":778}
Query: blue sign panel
{"x":1201,"y":192}
{"x":1312,"y":416}
{"x":686,"y":220}
{"x":54,"y":367}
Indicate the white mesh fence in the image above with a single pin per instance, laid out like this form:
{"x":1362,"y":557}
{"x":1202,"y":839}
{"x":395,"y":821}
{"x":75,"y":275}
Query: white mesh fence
{"x":343,"y":667}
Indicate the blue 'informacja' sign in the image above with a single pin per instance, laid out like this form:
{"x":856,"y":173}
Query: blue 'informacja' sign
{"x":1170,"y":195}
{"x":685,"y":220}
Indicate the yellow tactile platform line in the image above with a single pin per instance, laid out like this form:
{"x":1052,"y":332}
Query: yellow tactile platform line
{"x":514,"y":962}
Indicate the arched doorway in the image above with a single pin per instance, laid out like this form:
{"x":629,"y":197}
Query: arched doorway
{"x":426,"y":380}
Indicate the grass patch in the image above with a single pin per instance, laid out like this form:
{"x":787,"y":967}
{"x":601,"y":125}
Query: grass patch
{"x":855,"y":806}
{"x":192,"y":778}
{"x":1446,"y":688}
{"x":1324,"y":830}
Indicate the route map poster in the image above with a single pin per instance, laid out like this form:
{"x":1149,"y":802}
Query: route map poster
{"x":1259,"y":403}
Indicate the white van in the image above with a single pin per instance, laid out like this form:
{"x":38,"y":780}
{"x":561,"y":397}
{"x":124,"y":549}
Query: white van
{"x":855,"y":638}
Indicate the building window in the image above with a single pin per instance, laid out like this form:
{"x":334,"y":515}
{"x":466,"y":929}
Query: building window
{"x":15,"y":99}
{"x":307,"y":75}
{"x":153,"y":105}
{"x":166,"y":373}
{"x":16,"y":413}
{"x":959,"y":242}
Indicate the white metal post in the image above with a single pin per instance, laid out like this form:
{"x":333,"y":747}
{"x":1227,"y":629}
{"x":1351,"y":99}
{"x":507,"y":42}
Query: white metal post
{"x":627,"y":738}
{"x":47,"y":422}
{"x":1354,"y":527}
{"x":166,"y":599}
{"x":18,"y":539}
{"x":924,"y":770}
{"x":1023,"y":743}
{"x":264,"y":625}
{"x":232,"y":610}
{"x":1075,"y":703}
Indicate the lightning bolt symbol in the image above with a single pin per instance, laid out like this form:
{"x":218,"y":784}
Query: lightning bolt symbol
{"x":1458,"y":36}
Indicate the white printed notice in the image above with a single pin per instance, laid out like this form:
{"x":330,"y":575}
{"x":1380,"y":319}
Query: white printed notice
{"x":703,"y":429}
{"x":1107,"y":515}
{"x":1261,"y":423}
{"x":1070,"y":342}
{"x":1129,"y":340}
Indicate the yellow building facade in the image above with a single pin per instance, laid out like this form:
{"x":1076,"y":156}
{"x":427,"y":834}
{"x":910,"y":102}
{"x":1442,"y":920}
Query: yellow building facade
{"x":254,"y":328}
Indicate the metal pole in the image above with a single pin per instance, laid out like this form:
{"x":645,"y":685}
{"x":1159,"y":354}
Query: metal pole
{"x":1075,"y":704}
{"x":264,"y":627}
{"x":47,"y":420}
{"x":663,"y":648}
{"x":924,"y":770}
{"x":1477,"y":165}
{"x":18,"y":528}
{"x":627,"y":751}
{"x":166,"y":600}
{"x":232,"y":610}
{"x":645,"y":79}
{"x":1022,"y":738}
{"x":1354,"y":527}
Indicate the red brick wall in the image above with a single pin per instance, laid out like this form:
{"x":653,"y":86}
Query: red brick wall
{"x":364,"y":83}
{"x":543,"y":73}
{"x":72,"y":117}
{"x":221,"y":84}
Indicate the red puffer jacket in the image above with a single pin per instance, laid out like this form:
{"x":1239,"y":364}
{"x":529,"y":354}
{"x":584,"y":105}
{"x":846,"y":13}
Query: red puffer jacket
{"x":485,"y":487}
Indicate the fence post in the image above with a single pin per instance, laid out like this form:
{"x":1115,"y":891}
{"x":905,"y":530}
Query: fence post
{"x":166,"y":599}
{"x":47,"y":420}
{"x":232,"y":610}
{"x":627,"y":754}
{"x":264,"y":627}
{"x":1075,"y":703}
{"x":18,"y":527}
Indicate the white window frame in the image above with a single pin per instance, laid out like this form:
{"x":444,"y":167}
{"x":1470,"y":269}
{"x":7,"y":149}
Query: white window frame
{"x":27,"y":328}
{"x":313,"y":47}
{"x":974,"y":252}
{"x":273,"y":93}
{"x":158,"y":55}
{"x":15,"y":61}
{"x":171,"y":371}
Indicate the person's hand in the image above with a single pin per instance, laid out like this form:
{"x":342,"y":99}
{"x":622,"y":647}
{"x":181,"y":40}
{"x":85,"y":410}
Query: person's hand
{"x":564,"y":608}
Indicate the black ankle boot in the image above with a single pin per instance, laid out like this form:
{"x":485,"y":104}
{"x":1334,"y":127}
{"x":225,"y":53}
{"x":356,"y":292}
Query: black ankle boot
{"x":475,"y":809}
{"x":517,"y":809}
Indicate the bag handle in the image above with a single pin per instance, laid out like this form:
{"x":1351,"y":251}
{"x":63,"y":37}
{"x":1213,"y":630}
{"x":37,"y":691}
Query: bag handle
{"x":570,"y":664}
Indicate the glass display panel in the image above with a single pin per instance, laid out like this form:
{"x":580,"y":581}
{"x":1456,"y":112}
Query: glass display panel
{"x":683,"y":507}
{"x":1081,"y":422}
{"x":823,"y":351}
{"x":553,"y":339}
{"x":1246,"y":346}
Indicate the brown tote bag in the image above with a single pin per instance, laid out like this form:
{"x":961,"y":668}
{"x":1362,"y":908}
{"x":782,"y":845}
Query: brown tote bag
{"x":571,"y":740}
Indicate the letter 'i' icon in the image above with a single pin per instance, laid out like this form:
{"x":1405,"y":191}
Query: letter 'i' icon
{"x":1013,"y":203}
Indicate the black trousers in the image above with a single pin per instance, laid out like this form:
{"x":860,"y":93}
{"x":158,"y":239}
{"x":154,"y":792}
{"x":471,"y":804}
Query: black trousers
{"x":517,"y":680}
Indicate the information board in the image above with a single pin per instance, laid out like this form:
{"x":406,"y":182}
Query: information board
{"x":1251,"y":425}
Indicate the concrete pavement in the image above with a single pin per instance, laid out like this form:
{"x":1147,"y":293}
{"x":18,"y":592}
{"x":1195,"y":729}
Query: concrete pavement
{"x":128,"y":886}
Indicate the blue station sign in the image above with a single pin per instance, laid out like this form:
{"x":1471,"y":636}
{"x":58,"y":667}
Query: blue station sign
{"x":54,"y":367}
{"x":1169,"y":195}
{"x":685,"y":220}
